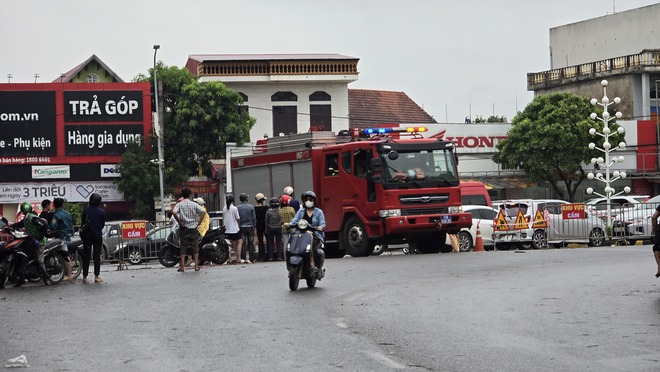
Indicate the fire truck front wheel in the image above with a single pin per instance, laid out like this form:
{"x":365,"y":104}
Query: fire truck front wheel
{"x":355,"y":239}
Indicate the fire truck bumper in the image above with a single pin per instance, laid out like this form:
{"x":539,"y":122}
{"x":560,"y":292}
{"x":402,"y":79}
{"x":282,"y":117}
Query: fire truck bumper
{"x":420,"y":223}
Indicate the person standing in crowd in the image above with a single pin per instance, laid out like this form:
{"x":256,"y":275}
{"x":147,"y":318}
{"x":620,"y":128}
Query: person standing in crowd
{"x":62,"y":223}
{"x":248,"y":219}
{"x":94,"y":217}
{"x":188,"y":214}
{"x":203,"y":226}
{"x":232,"y":222}
{"x":173,"y":238}
{"x":286,"y":215}
{"x":260,"y":211}
{"x":274,"y":232}
{"x":656,"y":239}
{"x":46,"y":210}
{"x":295,"y":204}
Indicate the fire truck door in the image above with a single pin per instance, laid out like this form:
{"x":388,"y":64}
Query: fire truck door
{"x":333,"y":191}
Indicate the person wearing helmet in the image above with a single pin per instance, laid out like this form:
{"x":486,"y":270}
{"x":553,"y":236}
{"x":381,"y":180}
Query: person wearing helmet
{"x":248,"y":218}
{"x":286,"y":215}
{"x":316,"y":219}
{"x":295,"y":204}
{"x":274,"y":232}
{"x":35,"y":227}
{"x":94,"y":217}
{"x":232,"y":222}
{"x":260,"y":211}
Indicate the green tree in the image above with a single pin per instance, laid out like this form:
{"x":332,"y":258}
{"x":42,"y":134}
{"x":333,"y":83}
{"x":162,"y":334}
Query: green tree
{"x":550,"y":140}
{"x":207,"y":116}
{"x":198,"y":119}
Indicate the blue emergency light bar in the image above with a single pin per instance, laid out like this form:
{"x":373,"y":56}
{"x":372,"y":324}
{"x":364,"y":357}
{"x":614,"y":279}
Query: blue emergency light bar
{"x":393,"y":130}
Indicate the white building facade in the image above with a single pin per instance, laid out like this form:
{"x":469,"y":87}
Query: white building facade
{"x":285,"y":93}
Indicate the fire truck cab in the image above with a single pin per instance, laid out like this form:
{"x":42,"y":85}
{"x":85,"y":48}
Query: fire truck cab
{"x":373,"y":187}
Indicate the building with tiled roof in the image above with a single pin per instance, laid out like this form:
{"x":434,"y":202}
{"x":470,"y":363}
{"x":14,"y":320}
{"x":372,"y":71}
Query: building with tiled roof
{"x":370,"y":107}
{"x":92,"y":70}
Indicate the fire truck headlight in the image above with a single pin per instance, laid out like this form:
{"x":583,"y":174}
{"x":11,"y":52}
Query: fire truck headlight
{"x":389,"y":213}
{"x":458,"y":209}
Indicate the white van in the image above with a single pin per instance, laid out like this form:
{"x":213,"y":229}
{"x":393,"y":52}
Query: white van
{"x":560,"y":231}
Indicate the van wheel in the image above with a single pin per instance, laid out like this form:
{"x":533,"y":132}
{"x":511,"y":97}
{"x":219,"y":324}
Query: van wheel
{"x":378,"y":250}
{"x":465,"y":241}
{"x":539,"y":240}
{"x":597,"y":238}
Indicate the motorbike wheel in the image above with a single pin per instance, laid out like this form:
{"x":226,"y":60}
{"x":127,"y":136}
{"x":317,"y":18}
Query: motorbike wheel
{"x":293,"y":279}
{"x":222,"y":255}
{"x":311,"y":282}
{"x":5,"y":268}
{"x":168,"y":256}
{"x":55,"y":267}
{"x":76,"y":265}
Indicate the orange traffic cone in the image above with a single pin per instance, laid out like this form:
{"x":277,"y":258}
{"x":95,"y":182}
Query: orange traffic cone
{"x":479,"y":244}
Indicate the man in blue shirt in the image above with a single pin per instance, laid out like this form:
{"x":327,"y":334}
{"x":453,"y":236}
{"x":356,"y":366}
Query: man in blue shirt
{"x":62,"y":222}
{"x":248,"y":219}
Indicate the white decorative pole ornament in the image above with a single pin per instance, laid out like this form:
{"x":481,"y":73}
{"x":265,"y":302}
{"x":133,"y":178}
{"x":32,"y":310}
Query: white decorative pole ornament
{"x":607,"y":148}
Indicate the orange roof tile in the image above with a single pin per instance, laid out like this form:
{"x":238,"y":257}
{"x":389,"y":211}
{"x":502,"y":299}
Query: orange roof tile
{"x":370,"y":107}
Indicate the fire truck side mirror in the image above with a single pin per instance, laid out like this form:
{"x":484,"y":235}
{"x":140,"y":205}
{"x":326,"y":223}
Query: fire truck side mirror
{"x":393,"y":155}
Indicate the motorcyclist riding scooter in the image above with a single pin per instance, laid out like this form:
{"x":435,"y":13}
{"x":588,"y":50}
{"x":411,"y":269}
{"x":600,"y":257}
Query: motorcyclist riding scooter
{"x":315,"y":218}
{"x":37,"y":228}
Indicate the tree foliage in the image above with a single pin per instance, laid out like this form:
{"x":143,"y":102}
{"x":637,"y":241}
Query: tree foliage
{"x":550,"y":140}
{"x":207,"y":117}
{"x":198,"y":119}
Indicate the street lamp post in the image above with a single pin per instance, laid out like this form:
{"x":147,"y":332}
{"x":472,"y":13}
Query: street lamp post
{"x":657,"y":126}
{"x":607,"y":148}
{"x":159,"y":135}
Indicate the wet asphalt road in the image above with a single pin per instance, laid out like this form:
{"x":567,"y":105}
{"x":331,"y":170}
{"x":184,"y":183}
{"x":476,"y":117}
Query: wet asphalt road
{"x":585,"y":309}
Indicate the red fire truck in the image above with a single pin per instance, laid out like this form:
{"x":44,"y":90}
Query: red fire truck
{"x":374,"y":186}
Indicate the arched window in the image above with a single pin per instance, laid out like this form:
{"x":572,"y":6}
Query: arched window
{"x":283,"y":97}
{"x":319,"y":96}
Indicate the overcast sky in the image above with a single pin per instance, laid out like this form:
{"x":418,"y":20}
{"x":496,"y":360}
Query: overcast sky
{"x":452,"y":57}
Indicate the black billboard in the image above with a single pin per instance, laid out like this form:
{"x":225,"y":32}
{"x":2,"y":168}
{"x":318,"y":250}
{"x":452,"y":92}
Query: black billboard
{"x":102,"y":106}
{"x":83,"y":140}
{"x":28,"y":123}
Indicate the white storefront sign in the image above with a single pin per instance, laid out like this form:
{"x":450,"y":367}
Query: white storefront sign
{"x":50,"y":171}
{"x":71,"y":191}
{"x":109,"y":170}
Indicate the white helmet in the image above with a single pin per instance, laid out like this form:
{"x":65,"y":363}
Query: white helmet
{"x":288,"y":190}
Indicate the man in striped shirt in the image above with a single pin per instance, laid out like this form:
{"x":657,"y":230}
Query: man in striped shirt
{"x":188,"y":215}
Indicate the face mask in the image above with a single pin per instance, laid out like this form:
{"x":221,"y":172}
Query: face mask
{"x":309,"y":204}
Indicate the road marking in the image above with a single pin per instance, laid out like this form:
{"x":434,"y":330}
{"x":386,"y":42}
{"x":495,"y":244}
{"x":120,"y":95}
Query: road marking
{"x":384,"y":359}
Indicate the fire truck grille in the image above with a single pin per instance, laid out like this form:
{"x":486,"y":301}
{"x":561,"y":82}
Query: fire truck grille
{"x":420,"y":211}
{"x":423,"y":199}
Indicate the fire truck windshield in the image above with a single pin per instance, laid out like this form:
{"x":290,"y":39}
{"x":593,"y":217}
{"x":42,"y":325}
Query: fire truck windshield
{"x":421,"y":168}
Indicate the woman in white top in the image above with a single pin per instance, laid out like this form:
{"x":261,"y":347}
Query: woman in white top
{"x":231,"y":221}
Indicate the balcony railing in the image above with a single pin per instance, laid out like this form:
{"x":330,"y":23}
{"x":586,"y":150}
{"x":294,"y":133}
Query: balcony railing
{"x":597,"y":69}
{"x":264,"y":68}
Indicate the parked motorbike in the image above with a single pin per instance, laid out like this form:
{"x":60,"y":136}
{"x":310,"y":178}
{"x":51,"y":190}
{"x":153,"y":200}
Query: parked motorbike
{"x":213,"y":248}
{"x":18,"y":259}
{"x":298,"y":253}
